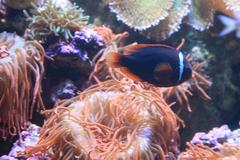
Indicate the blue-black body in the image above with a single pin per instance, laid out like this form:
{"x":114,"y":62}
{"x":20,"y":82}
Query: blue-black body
{"x":159,"y":65}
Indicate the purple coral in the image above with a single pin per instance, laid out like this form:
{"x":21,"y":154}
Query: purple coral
{"x":64,"y":90}
{"x":217,"y":136}
{"x":65,"y":49}
{"x":29,"y":138}
{"x":88,"y":39}
{"x":83,"y":42}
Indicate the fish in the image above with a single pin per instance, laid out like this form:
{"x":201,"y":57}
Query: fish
{"x":231,"y":24}
{"x":157,"y":64}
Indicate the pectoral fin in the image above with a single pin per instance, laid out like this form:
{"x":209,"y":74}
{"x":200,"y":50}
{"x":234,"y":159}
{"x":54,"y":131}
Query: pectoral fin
{"x":130,"y":75}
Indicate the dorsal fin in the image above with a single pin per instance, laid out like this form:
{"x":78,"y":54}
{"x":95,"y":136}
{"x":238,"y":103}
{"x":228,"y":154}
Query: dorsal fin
{"x":132,"y":49}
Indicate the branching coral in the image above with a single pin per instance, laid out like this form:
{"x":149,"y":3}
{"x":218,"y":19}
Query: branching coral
{"x":21,"y":72}
{"x":112,"y":120}
{"x":54,"y":19}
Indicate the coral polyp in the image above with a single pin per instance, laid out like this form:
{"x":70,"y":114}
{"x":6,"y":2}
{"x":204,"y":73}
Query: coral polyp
{"x":21,"y":72}
{"x":112,"y":120}
{"x":57,"y":20}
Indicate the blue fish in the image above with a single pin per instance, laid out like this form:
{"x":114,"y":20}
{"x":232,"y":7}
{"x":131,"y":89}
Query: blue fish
{"x":231,"y":24}
{"x":160,"y":65}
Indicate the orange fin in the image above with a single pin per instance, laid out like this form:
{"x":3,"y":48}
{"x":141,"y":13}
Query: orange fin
{"x":114,"y":60}
{"x":130,"y":75}
{"x":163,"y":68}
{"x":134,"y":48}
{"x":181,"y":44}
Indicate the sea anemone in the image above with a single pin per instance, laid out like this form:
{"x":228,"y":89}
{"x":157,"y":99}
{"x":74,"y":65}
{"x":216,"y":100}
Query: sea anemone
{"x":21,"y":68}
{"x":108,"y":36}
{"x":171,"y":23}
{"x":111,"y":120}
{"x":57,"y":20}
{"x":200,"y":151}
{"x":140,"y":14}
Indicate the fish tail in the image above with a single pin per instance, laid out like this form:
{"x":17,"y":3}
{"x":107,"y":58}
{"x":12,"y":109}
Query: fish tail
{"x":230,"y":25}
{"x":114,"y":60}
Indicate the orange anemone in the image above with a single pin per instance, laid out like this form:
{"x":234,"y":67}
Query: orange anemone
{"x":21,"y":72}
{"x":111,"y":120}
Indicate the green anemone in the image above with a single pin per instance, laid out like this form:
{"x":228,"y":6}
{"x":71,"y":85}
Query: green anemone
{"x":54,"y":19}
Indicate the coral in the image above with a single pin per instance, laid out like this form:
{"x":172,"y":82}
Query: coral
{"x":57,"y":20}
{"x":112,"y":120}
{"x":27,"y":138}
{"x":83,"y":42}
{"x":88,"y":40}
{"x":66,"y":50}
{"x":64,"y":90}
{"x":218,"y":144}
{"x":140,"y":14}
{"x":77,"y":53}
{"x":21,"y":68}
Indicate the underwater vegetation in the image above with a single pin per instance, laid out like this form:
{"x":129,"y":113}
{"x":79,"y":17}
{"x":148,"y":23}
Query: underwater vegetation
{"x":21,"y":68}
{"x":50,"y":18}
{"x":160,"y":19}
